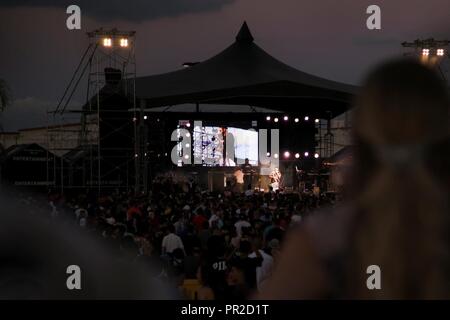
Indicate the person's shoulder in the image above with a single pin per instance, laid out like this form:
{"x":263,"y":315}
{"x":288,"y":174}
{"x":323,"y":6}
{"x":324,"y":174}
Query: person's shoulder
{"x":172,"y":236}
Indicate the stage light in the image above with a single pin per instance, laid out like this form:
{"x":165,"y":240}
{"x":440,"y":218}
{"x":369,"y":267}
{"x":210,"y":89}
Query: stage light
{"x":124,"y":42}
{"x":440,"y":52}
{"x":286,"y":118}
{"x":306,"y":154}
{"x":107,"y":42}
{"x":268,"y":154}
{"x":188,"y":124}
{"x":306,"y":118}
{"x":316,"y":155}
{"x":186,"y":156}
{"x":296,"y":120}
{"x":287,"y":154}
{"x":145,"y":117}
{"x":317,"y":121}
{"x":268,"y":118}
{"x":297,"y":155}
{"x":275,"y":120}
{"x":189,"y":64}
{"x":187,"y":145}
{"x":275,"y":155}
{"x":425,"y":52}
{"x":134,"y":119}
{"x":135,"y":155}
{"x":188,"y":134}
{"x":145,"y":154}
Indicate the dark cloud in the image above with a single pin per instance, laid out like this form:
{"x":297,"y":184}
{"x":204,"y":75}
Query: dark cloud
{"x":31,"y":112}
{"x":135,"y":10}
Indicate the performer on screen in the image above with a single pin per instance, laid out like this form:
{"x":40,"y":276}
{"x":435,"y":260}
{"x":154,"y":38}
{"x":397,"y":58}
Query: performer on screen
{"x":275,"y":179}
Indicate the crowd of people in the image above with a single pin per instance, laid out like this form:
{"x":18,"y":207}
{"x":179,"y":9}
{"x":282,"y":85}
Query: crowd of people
{"x":209,"y":245}
{"x":226,"y":245}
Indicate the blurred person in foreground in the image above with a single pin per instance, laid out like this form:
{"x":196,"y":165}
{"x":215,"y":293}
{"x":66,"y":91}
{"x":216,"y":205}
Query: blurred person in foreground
{"x":35,"y":253}
{"x":397,"y":211}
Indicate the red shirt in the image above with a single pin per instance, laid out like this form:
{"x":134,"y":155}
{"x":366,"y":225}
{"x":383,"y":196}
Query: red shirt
{"x":198,"y":221}
{"x":132,"y":211}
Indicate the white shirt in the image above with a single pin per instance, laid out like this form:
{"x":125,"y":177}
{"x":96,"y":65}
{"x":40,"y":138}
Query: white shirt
{"x":213,"y":218}
{"x":171,"y":242}
{"x":239,"y":176}
{"x":296,"y":219}
{"x":83,"y":222}
{"x":241,"y":224}
{"x":110,"y":220}
{"x":265,"y":270}
{"x":248,"y":192}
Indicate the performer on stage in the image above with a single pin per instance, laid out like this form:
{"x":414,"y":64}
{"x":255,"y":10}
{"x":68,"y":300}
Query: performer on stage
{"x":301,"y":177}
{"x":239,"y":178}
{"x":248,"y":171}
{"x":275,"y":179}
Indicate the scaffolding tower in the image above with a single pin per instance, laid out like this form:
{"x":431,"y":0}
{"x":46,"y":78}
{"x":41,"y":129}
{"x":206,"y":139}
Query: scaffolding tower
{"x":108,"y":66}
{"x":324,"y":137}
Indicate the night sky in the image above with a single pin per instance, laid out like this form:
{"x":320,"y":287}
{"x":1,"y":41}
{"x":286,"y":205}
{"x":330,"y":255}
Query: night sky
{"x":328,"y":38}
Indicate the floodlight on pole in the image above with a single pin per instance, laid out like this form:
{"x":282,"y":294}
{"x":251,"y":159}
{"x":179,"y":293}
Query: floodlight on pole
{"x":107,"y":42}
{"x":123,"y":42}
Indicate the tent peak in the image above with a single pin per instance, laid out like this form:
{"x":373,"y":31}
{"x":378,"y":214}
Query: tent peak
{"x":244,"y":34}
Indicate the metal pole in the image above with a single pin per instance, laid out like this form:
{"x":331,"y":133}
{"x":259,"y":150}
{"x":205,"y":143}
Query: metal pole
{"x":62,"y":168}
{"x":98,"y":128}
{"x":48,"y":147}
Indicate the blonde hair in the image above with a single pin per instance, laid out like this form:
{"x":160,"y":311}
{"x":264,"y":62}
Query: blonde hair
{"x":402,"y":112}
